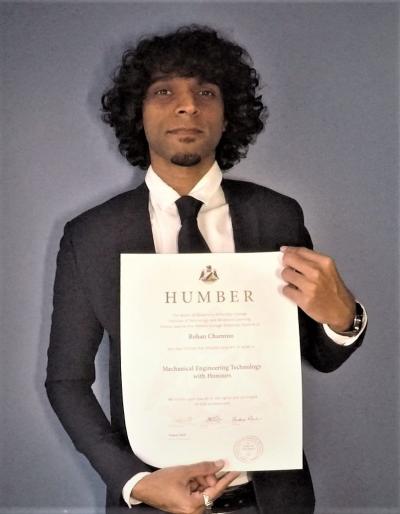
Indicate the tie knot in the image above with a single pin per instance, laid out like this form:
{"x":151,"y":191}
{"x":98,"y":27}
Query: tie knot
{"x":188,"y":207}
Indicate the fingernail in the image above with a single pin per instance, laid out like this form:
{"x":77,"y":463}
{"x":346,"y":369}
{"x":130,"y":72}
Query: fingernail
{"x":283,"y":248}
{"x":219,"y":462}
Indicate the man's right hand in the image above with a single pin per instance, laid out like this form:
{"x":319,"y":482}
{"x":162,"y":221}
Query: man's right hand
{"x":180,"y":489}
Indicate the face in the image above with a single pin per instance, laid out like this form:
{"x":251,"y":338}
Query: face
{"x":183,"y":119}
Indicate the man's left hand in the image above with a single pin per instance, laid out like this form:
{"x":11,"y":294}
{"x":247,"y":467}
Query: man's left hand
{"x":315,"y":285}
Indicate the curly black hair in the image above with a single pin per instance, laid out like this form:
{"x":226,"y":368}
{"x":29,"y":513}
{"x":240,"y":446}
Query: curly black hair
{"x":190,"y":51}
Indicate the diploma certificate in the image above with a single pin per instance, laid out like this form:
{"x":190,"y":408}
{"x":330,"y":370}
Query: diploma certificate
{"x":210,"y":361}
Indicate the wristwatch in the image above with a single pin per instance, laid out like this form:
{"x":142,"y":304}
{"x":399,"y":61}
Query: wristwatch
{"x":357,"y":322}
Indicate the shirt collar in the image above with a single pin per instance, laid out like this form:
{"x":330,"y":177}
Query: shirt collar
{"x":164,"y":196}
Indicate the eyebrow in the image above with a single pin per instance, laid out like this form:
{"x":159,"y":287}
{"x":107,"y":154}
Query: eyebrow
{"x":158,"y":78}
{"x":166,"y":77}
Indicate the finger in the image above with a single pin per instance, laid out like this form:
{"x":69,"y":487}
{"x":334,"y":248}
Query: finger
{"x":302,"y":251}
{"x":202,"y":481}
{"x":309,"y":259}
{"x":312,"y":271}
{"x":211,"y":480}
{"x":197,"y":499}
{"x":222,"y":484}
{"x":203,"y":468}
{"x":293,"y":294}
{"x":294,"y":278}
{"x":193,"y":486}
{"x":215,"y":491}
{"x":299,"y":263}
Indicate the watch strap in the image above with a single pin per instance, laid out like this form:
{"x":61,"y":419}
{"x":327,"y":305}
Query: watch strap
{"x":357,"y":322}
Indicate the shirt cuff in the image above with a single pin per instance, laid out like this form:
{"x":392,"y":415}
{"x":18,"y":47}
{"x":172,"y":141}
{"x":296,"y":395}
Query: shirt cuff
{"x":127,"y":489}
{"x":346,"y":340}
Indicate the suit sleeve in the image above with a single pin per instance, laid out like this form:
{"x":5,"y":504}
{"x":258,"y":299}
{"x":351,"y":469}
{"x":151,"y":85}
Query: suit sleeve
{"x":74,"y":340}
{"x":316,"y":346}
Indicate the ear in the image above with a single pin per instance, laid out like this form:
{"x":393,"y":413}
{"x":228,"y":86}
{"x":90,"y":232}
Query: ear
{"x":224,"y":125}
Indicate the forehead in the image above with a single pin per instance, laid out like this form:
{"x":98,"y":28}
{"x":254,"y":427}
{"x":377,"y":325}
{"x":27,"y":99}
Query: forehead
{"x":169,"y":77}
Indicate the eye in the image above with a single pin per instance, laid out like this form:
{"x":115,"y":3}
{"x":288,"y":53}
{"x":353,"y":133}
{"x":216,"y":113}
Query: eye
{"x":206,"y":92}
{"x":162,"y":92}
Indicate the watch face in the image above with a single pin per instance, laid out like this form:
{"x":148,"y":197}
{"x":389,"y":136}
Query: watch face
{"x":358,"y":318}
{"x":357,"y":322}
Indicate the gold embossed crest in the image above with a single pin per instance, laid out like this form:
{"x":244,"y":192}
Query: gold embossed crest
{"x":208,"y":274}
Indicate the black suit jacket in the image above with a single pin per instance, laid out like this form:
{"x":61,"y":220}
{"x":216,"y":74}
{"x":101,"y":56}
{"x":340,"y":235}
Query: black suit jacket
{"x":86,"y":302}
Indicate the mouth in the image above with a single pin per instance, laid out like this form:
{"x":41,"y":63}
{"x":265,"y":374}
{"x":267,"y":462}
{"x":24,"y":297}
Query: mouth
{"x":185,"y":131}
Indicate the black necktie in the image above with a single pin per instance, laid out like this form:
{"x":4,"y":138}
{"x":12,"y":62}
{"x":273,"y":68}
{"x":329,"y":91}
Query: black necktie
{"x":190,"y":239}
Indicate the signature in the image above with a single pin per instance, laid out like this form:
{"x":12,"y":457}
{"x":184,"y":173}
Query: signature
{"x":237,"y":420}
{"x":213,"y":420}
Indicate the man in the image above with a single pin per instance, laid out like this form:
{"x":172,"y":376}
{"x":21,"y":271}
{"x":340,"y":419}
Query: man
{"x":185,"y":106}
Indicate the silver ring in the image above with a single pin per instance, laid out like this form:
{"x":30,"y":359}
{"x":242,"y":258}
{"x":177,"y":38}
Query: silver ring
{"x":207,"y":501}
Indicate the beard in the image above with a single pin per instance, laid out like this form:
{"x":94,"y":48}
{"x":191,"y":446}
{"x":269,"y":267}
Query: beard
{"x":186,"y":159}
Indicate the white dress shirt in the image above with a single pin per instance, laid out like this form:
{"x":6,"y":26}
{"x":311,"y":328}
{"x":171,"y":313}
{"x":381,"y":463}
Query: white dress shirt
{"x":214,"y":220}
{"x":215,"y":225}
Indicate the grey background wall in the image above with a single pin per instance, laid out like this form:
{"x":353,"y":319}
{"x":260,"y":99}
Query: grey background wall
{"x":330,"y":73}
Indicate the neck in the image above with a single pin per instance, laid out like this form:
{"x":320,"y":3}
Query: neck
{"x":181,"y":178}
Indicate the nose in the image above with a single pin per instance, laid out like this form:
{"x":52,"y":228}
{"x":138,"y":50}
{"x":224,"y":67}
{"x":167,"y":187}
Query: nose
{"x":187,"y":104}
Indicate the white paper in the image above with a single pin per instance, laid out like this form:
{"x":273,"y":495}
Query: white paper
{"x":210,"y":368}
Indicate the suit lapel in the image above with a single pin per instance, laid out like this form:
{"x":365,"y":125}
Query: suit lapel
{"x":135,"y":231}
{"x":245,"y":222}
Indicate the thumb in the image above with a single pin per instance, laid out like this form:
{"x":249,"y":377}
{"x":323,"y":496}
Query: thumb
{"x":204,"y":468}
